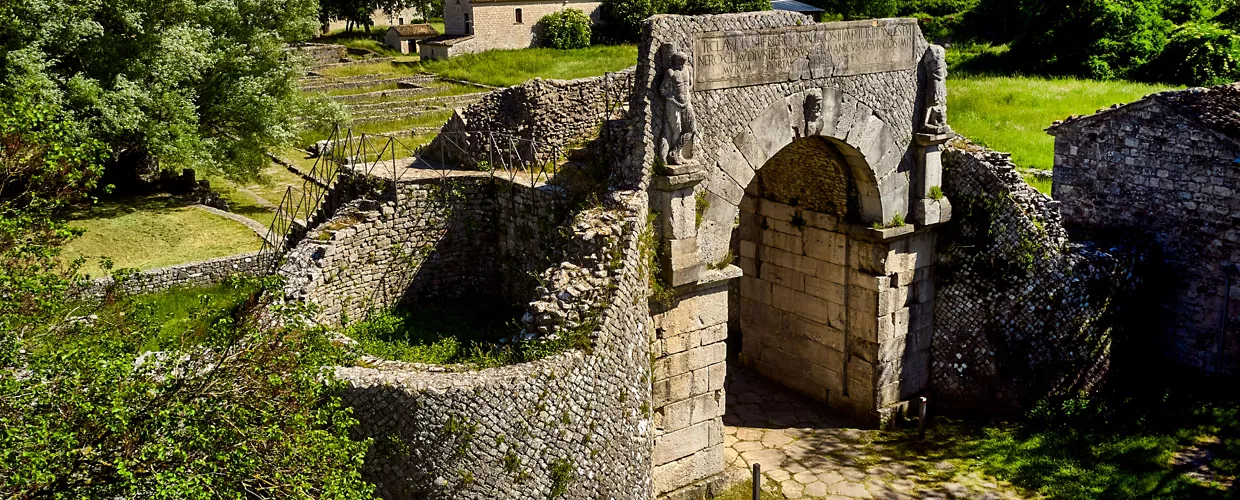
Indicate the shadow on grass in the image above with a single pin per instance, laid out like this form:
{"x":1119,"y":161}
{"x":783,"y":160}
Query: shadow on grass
{"x":112,"y":207}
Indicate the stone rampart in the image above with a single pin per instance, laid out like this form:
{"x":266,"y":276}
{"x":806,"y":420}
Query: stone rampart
{"x":551,"y":113}
{"x":575,"y":425}
{"x":1021,"y":313}
{"x":207,"y":272}
{"x":440,"y":238}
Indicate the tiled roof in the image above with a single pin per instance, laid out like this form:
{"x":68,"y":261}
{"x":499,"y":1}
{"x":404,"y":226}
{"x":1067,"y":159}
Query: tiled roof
{"x":415,"y":30}
{"x":1217,"y":108}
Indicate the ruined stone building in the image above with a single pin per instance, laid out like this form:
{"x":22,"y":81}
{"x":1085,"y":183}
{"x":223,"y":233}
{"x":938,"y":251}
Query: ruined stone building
{"x":478,"y":25}
{"x":405,"y":37}
{"x":1166,"y":169}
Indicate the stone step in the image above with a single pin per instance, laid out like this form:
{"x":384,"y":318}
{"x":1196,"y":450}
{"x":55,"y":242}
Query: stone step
{"x":381,"y":94}
{"x":401,"y":81}
{"x":394,"y":106}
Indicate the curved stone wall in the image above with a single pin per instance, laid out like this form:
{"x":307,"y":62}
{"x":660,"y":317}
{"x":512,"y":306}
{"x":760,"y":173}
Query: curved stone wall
{"x":575,"y":425}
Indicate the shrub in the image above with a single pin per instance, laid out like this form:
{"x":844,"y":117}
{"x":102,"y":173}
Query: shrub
{"x":935,"y":8}
{"x":1102,"y":39}
{"x":939,"y":28}
{"x":622,"y":19}
{"x":566,"y":29}
{"x":1199,"y":54}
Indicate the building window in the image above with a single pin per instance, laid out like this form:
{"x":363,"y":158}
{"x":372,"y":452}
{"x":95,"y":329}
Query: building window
{"x":400,"y":21}
{"x":469,"y":26}
{"x":519,"y":16}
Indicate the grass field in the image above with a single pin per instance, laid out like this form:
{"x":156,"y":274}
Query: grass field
{"x":503,"y":68}
{"x":154,"y":231}
{"x":1118,"y":445}
{"x":190,"y":310}
{"x":1011,"y":114}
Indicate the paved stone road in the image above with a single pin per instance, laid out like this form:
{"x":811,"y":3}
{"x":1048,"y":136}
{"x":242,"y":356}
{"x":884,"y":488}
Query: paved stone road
{"x":809,"y":453}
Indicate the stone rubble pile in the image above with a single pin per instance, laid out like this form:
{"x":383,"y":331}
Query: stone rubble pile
{"x":574,"y":293}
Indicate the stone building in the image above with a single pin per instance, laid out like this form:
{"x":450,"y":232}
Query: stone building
{"x":1167,"y":167}
{"x":377,"y":18}
{"x":405,"y":37}
{"x":478,"y":25}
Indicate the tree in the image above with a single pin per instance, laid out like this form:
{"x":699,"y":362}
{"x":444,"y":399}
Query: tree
{"x":565,"y":29}
{"x":622,"y":18}
{"x":1103,"y":39}
{"x":230,"y":409}
{"x":181,"y":83}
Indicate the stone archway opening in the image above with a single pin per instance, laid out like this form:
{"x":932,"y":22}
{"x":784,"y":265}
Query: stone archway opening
{"x":827,"y":306}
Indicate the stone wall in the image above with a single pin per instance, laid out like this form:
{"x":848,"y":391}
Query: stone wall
{"x":574,"y":425}
{"x":319,"y":54}
{"x":495,"y":26}
{"x":454,"y":237}
{"x":530,"y":120}
{"x":1022,"y":314}
{"x":1149,"y":170}
{"x":207,"y":272}
{"x":840,"y":313}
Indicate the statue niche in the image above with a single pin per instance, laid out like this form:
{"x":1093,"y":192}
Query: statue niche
{"x":679,"y":121}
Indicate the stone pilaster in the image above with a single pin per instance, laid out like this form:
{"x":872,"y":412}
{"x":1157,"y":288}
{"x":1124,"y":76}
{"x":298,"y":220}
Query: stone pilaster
{"x":927,"y":210}
{"x":688,"y":368}
{"x":680,"y":260}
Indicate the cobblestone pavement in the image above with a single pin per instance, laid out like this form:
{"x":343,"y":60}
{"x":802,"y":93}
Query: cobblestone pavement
{"x":806,"y":452}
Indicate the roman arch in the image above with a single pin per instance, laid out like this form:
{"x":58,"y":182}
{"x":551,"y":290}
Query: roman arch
{"x":793,"y":168}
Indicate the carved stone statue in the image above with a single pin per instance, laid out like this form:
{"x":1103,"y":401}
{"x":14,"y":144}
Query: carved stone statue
{"x":936,"y":90}
{"x":813,"y":114}
{"x":679,"y":122}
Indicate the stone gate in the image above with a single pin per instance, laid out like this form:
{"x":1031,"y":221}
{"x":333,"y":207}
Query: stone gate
{"x":794,"y":170}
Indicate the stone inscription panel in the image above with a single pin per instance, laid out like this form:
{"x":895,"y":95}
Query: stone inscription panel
{"x":723,"y":59}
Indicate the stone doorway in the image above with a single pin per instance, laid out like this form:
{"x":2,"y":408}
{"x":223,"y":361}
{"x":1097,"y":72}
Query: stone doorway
{"x":826,"y":306}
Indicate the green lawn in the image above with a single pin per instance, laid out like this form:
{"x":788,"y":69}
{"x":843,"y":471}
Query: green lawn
{"x":504,"y":68}
{"x":460,"y":331}
{"x":191,"y":310}
{"x":1011,"y":113}
{"x":154,"y":231}
{"x":1117,"y":445}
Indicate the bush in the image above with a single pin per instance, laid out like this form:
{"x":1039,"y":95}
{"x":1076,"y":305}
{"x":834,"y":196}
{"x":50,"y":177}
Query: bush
{"x":939,"y":28}
{"x":566,"y":29}
{"x":1199,"y":54}
{"x":1101,"y":39}
{"x":935,"y":8}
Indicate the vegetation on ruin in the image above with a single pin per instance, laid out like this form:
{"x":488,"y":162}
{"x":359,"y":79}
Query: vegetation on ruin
{"x":480,"y":332}
{"x":228,"y":407}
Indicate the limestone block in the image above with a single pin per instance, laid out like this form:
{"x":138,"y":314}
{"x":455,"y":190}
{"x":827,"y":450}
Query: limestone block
{"x":862,"y":325}
{"x":707,"y":407}
{"x":782,"y":276}
{"x":682,"y":443}
{"x":811,"y":307}
{"x":895,"y":197}
{"x":676,"y":416}
{"x":776,"y":210}
{"x":695,"y":312}
{"x":749,"y":267}
{"x":732,"y":162}
{"x":723,"y":186}
{"x":713,"y":334}
{"x":825,"y":245}
{"x":894,"y":299}
{"x":832,"y":108}
{"x":678,"y":209}
{"x":718,"y":374}
{"x":821,"y":220}
{"x":826,"y":290}
{"x":749,"y":148}
{"x":782,"y":241}
{"x":893,"y":325}
{"x":863,"y":300}
{"x":835,"y":273}
{"x":749,"y":249}
{"x":888,"y":394}
{"x":671,"y":389}
{"x":772,"y":128}
{"x":701,"y":381}
{"x":688,"y":470}
{"x":682,"y":262}
{"x":801,"y":125}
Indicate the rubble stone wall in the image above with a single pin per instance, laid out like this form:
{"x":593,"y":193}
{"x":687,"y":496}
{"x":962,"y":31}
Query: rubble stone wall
{"x":550,"y":113}
{"x":437,"y":239}
{"x":207,"y":272}
{"x":575,"y":425}
{"x":1146,"y":169}
{"x":1021,"y":313}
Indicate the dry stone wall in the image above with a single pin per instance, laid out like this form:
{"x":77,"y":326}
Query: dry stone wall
{"x":575,"y":425}
{"x":551,"y":113}
{"x":207,"y":272}
{"x":447,"y":238}
{"x":1153,"y":169}
{"x":1022,"y":314}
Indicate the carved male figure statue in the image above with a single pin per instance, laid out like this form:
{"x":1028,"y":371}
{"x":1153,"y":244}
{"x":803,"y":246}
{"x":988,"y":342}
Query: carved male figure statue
{"x":935,"y":61}
{"x":679,"y":123}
